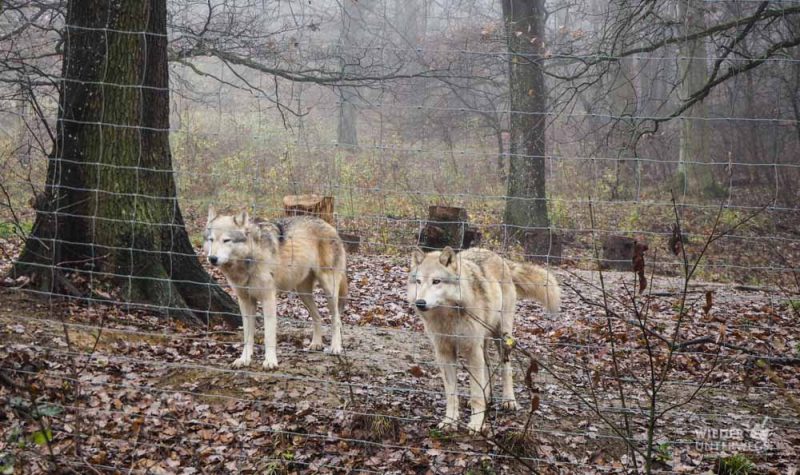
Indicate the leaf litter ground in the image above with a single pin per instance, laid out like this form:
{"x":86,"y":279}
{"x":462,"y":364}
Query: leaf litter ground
{"x":153,"y":396}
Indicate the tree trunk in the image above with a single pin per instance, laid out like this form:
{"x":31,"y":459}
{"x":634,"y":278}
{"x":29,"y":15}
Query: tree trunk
{"x":346,"y":132}
{"x":695,"y":177}
{"x":624,"y":103}
{"x":110,"y":211}
{"x":447,"y":226}
{"x":352,"y":22}
{"x":526,"y":205}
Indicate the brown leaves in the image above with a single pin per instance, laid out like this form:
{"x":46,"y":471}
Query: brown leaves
{"x":533,"y":368}
{"x":675,"y":243}
{"x":638,"y":263}
{"x":535,"y":403}
{"x":709,"y":302}
{"x":186,"y":418}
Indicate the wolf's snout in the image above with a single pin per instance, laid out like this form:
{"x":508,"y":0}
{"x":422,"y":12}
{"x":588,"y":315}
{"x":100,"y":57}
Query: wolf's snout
{"x":212,"y":260}
{"x":421,"y":304}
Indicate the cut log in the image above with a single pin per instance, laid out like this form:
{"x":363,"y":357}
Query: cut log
{"x":447,"y":226}
{"x":352,"y":242}
{"x":618,"y":253}
{"x":543,"y":246}
{"x":314,"y":205}
{"x":472,"y":237}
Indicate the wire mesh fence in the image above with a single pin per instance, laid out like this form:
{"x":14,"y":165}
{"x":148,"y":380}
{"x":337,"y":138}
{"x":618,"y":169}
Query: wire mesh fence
{"x":644,"y":154}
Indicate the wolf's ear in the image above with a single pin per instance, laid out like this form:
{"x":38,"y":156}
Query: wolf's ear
{"x":242,"y":219}
{"x":212,"y":213}
{"x":417,"y":256}
{"x":448,"y":257}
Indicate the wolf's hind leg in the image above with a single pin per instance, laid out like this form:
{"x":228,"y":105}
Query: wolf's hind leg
{"x":329,"y":281}
{"x":306,"y":293}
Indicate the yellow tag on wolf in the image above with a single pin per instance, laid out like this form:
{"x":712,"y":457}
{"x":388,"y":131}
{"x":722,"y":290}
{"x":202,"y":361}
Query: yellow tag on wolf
{"x":510,"y":341}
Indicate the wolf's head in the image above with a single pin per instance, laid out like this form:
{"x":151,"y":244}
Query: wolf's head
{"x":434,"y":280}
{"x":226,"y":238}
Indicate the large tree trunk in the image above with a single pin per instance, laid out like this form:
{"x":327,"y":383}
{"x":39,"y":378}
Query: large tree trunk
{"x":697,"y":178}
{"x":110,"y":211}
{"x":526,"y":205}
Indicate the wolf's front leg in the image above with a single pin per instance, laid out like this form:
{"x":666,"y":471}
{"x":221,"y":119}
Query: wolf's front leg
{"x":446,"y":359}
{"x":270,"y":330}
{"x":509,"y":400}
{"x":479,"y":387}
{"x":248,"y":308}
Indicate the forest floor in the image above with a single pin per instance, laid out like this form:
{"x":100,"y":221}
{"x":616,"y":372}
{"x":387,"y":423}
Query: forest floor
{"x":109,"y":388}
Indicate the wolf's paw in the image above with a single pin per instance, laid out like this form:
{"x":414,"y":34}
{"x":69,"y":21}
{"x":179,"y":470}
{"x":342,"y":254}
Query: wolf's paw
{"x":448,"y":424}
{"x":335,"y":349}
{"x":241,"y":362}
{"x":510,"y":405}
{"x":475,"y":427}
{"x":270,"y":363}
{"x":316,"y":346}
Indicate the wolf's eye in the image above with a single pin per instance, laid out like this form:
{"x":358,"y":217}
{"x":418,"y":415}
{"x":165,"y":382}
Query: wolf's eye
{"x":418,"y":281}
{"x":226,"y":240}
{"x":210,"y":239}
{"x":436,"y":282}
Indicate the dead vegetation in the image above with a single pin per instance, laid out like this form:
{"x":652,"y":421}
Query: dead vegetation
{"x":135,"y":391}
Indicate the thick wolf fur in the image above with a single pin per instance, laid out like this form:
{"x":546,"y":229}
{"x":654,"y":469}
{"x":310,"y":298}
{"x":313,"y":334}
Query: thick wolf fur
{"x":289,"y":254}
{"x":465,"y":299}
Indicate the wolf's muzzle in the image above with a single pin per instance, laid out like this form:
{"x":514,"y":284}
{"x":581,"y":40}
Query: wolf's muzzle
{"x":421,"y":304}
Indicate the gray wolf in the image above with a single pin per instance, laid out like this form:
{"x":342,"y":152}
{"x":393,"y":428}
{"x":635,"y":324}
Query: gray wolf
{"x":465,"y":299}
{"x":290,"y":254}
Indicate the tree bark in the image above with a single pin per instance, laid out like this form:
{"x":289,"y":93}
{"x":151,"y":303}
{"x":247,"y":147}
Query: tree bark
{"x":347,"y":134}
{"x":526,"y":205}
{"x":110,"y":211}
{"x":696,"y":178}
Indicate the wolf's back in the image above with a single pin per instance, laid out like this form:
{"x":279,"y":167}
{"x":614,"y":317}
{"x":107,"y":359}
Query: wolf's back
{"x":534,"y":282}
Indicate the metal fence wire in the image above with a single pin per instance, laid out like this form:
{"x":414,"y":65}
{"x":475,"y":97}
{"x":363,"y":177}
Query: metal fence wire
{"x":645,"y":155}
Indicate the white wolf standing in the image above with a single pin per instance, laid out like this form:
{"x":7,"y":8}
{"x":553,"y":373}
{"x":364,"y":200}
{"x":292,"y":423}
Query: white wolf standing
{"x":288,"y":254}
{"x":464,"y":299}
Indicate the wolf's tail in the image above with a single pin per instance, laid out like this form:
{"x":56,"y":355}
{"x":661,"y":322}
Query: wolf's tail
{"x":534,"y":282}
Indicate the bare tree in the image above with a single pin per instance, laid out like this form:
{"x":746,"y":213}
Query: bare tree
{"x":716,"y":44}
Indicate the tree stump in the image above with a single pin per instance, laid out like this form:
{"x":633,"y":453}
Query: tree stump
{"x":618,"y":253}
{"x":352,"y":242}
{"x":542,"y":246}
{"x":448,"y":226}
{"x":314,"y":205}
{"x":472,"y":237}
